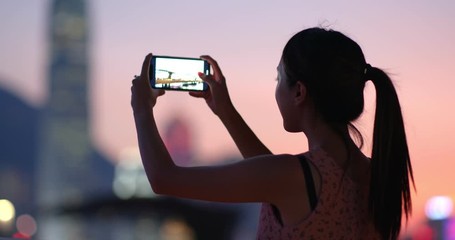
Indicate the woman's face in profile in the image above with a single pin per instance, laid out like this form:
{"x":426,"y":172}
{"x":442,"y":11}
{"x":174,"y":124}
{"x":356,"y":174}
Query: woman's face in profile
{"x":283,"y":96}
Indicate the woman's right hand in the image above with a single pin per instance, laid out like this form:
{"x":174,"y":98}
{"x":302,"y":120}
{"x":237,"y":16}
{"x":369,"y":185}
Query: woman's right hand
{"x":217,"y":95}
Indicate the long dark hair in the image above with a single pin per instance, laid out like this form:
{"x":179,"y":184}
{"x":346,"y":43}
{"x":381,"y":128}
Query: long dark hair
{"x":333,"y":68}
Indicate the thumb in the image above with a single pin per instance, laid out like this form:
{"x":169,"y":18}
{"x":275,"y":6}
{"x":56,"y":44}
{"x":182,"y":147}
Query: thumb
{"x":145,"y":70}
{"x":158,"y":92}
{"x":198,"y":94}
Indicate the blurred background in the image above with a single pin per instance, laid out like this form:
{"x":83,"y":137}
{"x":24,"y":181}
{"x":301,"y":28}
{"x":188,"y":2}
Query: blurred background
{"x":69,"y":164}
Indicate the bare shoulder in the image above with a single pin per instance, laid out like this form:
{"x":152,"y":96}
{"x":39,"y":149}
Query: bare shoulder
{"x":288,"y":174}
{"x":293,"y":202}
{"x":279,"y":159}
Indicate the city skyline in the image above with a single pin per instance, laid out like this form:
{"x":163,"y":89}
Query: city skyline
{"x":55,"y":183}
{"x":413,"y":42}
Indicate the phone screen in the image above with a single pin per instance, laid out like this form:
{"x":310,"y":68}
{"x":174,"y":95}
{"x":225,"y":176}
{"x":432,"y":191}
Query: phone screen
{"x":178,"y":73}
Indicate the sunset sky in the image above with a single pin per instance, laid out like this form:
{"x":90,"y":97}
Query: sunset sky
{"x":412,"y":40}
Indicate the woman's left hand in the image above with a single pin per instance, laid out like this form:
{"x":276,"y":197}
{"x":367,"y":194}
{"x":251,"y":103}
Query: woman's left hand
{"x":143,"y":96}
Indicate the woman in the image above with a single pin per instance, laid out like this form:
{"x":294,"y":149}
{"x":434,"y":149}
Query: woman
{"x":331,"y":191}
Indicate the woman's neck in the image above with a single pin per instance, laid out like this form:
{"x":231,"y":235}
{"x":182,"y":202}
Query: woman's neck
{"x":322,"y":135}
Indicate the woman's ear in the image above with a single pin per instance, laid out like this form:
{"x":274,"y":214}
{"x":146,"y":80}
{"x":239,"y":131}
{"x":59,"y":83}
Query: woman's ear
{"x":300,"y":93}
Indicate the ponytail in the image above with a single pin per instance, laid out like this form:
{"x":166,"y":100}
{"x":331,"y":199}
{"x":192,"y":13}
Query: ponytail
{"x":390,"y":162}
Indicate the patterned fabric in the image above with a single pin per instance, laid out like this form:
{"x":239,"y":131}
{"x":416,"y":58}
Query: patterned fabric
{"x":341,"y":211}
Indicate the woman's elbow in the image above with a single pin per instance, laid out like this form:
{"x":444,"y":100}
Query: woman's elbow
{"x":156,"y":184}
{"x":160,"y":183}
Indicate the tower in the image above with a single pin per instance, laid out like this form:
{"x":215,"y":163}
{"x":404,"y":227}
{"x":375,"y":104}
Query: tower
{"x":69,"y":171}
{"x":65,"y":141}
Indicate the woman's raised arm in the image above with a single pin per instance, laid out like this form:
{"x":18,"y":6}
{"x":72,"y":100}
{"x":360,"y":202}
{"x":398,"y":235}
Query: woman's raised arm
{"x":252,"y":180}
{"x":218,"y":99}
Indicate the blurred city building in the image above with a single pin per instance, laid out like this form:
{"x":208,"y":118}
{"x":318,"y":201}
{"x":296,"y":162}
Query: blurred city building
{"x":18,"y":151}
{"x":177,"y":138}
{"x":54,"y":184}
{"x":69,"y":171}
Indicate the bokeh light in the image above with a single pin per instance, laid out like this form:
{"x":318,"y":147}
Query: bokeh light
{"x":7,"y":210}
{"x":439,"y":207}
{"x":26,"y":225}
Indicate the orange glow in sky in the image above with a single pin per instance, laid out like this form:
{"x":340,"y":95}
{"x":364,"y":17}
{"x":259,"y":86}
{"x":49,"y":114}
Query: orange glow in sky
{"x":414,"y":42}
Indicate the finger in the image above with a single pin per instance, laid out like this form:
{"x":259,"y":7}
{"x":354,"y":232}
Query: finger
{"x":198,"y":94}
{"x":206,"y":78}
{"x":145,"y":68}
{"x":214,"y":64}
{"x":135,"y":79}
{"x":158,"y":92}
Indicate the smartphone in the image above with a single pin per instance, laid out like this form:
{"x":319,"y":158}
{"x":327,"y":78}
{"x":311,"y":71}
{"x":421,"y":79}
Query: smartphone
{"x":178,"y":73}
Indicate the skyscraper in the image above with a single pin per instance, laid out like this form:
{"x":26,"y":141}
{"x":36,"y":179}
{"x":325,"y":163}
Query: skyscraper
{"x":70,"y":173}
{"x":65,"y":138}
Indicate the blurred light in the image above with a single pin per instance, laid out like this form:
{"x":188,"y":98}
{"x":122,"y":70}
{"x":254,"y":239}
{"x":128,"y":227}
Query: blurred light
{"x":174,"y":228}
{"x":7,"y":211}
{"x":449,"y":229}
{"x":130,"y":179}
{"x":124,"y":184}
{"x":439,"y":207}
{"x":26,"y":225}
{"x":20,"y":236}
{"x":123,"y":189}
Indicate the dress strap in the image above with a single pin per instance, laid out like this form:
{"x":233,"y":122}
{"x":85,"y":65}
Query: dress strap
{"x":308,"y":181}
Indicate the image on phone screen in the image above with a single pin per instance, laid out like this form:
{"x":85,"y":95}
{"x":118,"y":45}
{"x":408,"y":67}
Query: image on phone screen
{"x":178,"y":73}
